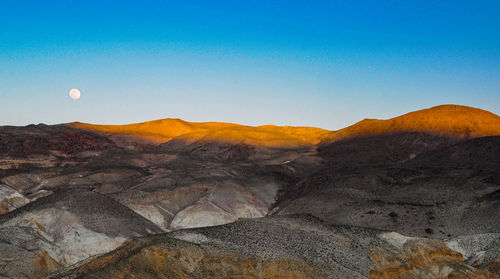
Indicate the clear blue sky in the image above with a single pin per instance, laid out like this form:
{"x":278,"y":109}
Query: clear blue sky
{"x":315,"y":63}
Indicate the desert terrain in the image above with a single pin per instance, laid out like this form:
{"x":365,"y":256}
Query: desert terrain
{"x":414,"y":196}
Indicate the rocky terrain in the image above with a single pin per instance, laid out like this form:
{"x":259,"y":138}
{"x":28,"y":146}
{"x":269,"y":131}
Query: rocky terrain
{"x":299,"y":246}
{"x":65,"y":228}
{"x":440,"y":194}
{"x":416,"y":196}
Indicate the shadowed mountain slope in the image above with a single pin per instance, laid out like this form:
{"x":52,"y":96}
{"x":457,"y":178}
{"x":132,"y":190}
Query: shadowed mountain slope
{"x":382,"y":148}
{"x":440,"y":193}
{"x":478,"y":153}
{"x":41,"y":139}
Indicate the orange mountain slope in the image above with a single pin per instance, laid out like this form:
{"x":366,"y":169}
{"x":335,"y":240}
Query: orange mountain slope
{"x":157,"y":131}
{"x":452,"y":120}
{"x":268,"y":136}
{"x":449,"y":120}
{"x":167,"y":129}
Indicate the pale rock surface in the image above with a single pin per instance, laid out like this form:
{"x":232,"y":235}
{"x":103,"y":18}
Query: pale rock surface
{"x":73,"y":242}
{"x":224,"y":205}
{"x":63,"y":229}
{"x":10,"y":199}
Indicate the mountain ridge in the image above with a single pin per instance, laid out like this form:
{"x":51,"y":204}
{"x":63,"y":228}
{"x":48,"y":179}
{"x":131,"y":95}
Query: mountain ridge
{"x":449,"y":120}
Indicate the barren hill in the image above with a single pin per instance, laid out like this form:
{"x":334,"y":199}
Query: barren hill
{"x":446,"y":120}
{"x":167,"y":129}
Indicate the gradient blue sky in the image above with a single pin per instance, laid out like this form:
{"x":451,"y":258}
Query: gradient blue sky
{"x":316,"y":63}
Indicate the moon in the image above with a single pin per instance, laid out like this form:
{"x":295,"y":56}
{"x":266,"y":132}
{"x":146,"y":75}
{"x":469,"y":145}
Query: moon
{"x":75,"y":94}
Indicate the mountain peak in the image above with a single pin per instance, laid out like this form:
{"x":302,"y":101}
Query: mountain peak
{"x":449,"y":120}
{"x":453,"y":110}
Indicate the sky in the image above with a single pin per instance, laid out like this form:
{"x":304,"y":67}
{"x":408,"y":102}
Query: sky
{"x":326,"y":64}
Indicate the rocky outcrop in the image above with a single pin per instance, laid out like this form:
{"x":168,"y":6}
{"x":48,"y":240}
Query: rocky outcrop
{"x":63,"y":229}
{"x":25,"y":253}
{"x":210,"y":194}
{"x":421,"y":258}
{"x":10,"y":199}
{"x":224,"y":205}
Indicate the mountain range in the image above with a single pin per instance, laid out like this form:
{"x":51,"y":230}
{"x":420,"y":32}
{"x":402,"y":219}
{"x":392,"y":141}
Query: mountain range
{"x":415,"y":196}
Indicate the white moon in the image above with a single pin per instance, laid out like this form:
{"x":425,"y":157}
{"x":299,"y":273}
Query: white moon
{"x":75,"y":94}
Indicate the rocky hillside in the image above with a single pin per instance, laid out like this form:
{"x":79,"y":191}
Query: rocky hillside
{"x":414,"y":196}
{"x":286,"y":247}
{"x":442,"y":193}
{"x":63,"y":229}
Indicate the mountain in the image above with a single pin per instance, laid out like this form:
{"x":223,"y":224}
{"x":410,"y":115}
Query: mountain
{"x":448,"y":120}
{"x":167,"y":129}
{"x":390,"y":194}
{"x":444,"y":120}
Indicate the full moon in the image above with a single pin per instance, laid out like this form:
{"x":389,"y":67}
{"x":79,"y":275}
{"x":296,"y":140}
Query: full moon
{"x":75,"y":94}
